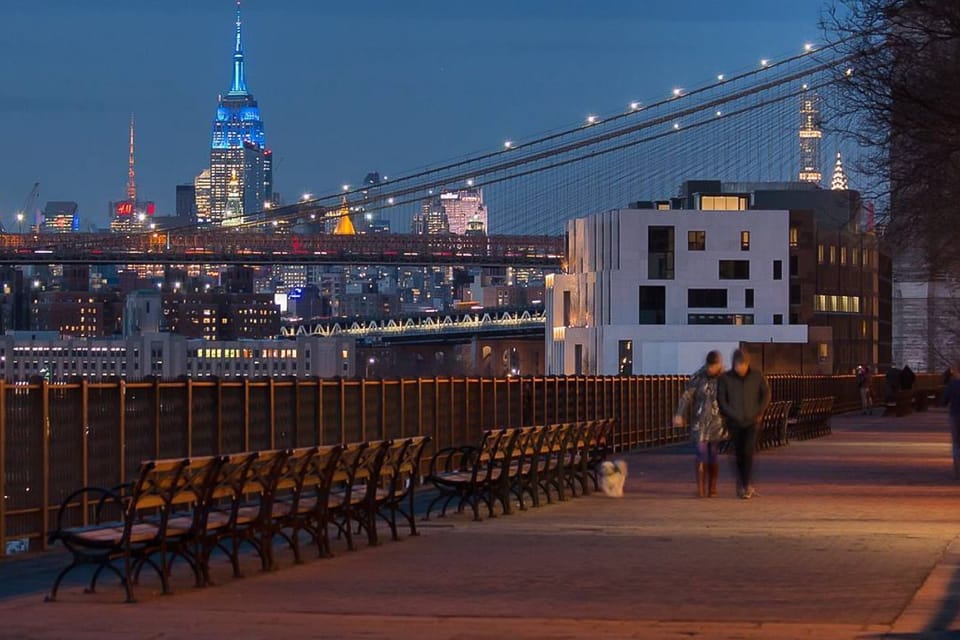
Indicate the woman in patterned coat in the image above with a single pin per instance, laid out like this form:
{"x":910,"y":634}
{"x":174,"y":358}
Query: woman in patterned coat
{"x":706,"y":424}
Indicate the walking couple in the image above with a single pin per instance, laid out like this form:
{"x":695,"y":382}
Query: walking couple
{"x":722,"y":406}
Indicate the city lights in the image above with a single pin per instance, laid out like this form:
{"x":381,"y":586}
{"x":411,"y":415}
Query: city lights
{"x":635,"y":106}
{"x":306,"y":197}
{"x":808,"y":47}
{"x":677,"y":92}
{"x":345,"y":187}
{"x":390,"y":200}
{"x":720,"y":77}
{"x":676,"y":125}
{"x":508,"y":144}
{"x":592,"y":119}
{"x":764,"y":63}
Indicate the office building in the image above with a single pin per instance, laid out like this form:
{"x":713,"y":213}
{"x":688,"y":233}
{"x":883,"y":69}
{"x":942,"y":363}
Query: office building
{"x":238,"y":152}
{"x":60,"y":217}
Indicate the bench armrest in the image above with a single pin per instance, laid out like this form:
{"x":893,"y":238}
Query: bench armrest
{"x":466,"y":455}
{"x":103,"y":497}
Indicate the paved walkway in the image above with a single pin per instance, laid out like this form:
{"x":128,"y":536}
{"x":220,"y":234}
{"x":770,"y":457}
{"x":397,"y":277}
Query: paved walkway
{"x":853,"y":536}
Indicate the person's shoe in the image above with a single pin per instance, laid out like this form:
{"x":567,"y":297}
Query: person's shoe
{"x":713,"y":470}
{"x":701,"y":480}
{"x":749,"y":493}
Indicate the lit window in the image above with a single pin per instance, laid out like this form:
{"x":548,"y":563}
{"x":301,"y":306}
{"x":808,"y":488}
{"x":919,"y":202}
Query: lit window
{"x":820,"y":254}
{"x":744,"y":241}
{"x":696,"y":240}
{"x":855,"y":257}
{"x":794,"y":236}
{"x":833,"y":254}
{"x":843,"y":256}
{"x":823,"y":351}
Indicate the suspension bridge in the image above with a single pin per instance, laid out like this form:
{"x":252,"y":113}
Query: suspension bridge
{"x":740,"y":127}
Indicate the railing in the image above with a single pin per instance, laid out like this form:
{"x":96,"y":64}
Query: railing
{"x":222,"y":246}
{"x":55,"y":438}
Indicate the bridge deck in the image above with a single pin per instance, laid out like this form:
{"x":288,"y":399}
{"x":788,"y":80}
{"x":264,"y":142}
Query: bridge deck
{"x":854,"y":536}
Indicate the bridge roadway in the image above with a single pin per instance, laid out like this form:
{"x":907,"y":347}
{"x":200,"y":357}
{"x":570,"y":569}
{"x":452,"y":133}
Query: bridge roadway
{"x":853,"y":536}
{"x":224,"y":246}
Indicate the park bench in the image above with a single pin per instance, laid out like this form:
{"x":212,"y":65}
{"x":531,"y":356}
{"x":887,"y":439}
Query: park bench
{"x":899,"y":404}
{"x":773,"y":425}
{"x":353,"y":500}
{"x":131,"y":525}
{"x":466,"y":473}
{"x":401,"y":474}
{"x":812,"y":418}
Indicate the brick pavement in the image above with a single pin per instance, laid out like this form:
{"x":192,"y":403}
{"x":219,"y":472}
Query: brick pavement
{"x":853,"y":536}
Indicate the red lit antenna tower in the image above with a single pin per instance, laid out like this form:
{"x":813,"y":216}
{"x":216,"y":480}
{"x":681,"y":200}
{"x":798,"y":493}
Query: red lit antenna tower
{"x":131,"y":172}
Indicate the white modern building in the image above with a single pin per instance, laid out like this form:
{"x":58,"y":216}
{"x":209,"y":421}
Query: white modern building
{"x":652,"y":291}
{"x":24,"y":355}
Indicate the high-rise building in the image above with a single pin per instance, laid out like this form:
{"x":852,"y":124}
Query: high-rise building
{"x":810,"y":135}
{"x":60,"y":217}
{"x":187,"y":202}
{"x":463,"y":207}
{"x":238,"y":147}
{"x":432,"y":219}
{"x":201,"y":188}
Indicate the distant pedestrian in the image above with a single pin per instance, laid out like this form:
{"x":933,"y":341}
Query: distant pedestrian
{"x":706,"y":424}
{"x":893,"y":382}
{"x":863,"y":385}
{"x":951,"y":398}
{"x":907,"y":378}
{"x":743,"y":395}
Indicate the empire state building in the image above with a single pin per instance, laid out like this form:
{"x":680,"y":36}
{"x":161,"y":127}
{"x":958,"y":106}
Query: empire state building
{"x":240,"y":163}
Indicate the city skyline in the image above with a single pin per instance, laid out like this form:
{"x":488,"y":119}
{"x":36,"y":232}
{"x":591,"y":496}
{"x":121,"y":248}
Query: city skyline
{"x":372,"y":95}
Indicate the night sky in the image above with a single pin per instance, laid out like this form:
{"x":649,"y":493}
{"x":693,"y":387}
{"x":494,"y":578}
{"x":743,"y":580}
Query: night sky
{"x":345,"y":87}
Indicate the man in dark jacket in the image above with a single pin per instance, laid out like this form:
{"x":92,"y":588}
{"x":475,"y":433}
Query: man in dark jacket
{"x":743,"y":394}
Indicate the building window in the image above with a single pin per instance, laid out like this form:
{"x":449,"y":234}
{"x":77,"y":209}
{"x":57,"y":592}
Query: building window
{"x":748,"y":299}
{"x":843,"y":256}
{"x":744,"y":241}
{"x":856,"y":256}
{"x":567,"y":308}
{"x":778,"y":269}
{"x":653,"y":305}
{"x":707,"y":298}
{"x":794,"y":236}
{"x":833,"y":254}
{"x":819,"y":254}
{"x":795,"y":293}
{"x":696,"y":240}
{"x":734,"y":269}
{"x":794,"y":318}
{"x":660,"y":253}
{"x":626,"y":357}
{"x":778,"y":318}
{"x":720,"y":318}
{"x":794,"y":266}
{"x":723,"y":203}
{"x":578,"y":359}
{"x":823,"y":351}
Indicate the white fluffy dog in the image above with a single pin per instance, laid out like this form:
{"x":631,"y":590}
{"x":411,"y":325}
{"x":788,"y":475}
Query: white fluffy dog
{"x":612,"y":477}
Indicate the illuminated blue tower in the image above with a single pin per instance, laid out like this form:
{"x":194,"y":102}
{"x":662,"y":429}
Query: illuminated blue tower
{"x":238,"y":148}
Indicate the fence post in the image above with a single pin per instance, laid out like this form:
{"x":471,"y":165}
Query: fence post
{"x":219,"y":416}
{"x":156,"y":416}
{"x":420,"y":410}
{"x":273,"y":414}
{"x":383,"y":409}
{"x":189,"y":417}
{"x":45,"y":488}
{"x":363,"y":409}
{"x":319,"y":411}
{"x":343,"y":410}
{"x":246,"y":414}
{"x":436,"y":410}
{"x":122,"y":390}
{"x":3,"y":468}
{"x":84,"y":445}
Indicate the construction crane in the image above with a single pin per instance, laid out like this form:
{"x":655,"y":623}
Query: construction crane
{"x":27,"y":208}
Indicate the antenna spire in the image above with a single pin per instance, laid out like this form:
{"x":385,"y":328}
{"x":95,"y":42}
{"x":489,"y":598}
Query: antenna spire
{"x":131,"y":170}
{"x":839,"y":181}
{"x":239,"y":84}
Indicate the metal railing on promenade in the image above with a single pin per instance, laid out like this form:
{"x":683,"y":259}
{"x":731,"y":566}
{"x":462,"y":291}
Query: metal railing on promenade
{"x":55,"y":438}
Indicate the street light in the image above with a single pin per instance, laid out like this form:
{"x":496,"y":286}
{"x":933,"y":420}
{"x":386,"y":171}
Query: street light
{"x":20,"y":220}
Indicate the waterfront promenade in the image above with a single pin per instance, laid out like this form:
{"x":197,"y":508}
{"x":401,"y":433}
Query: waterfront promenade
{"x":853,"y":536}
